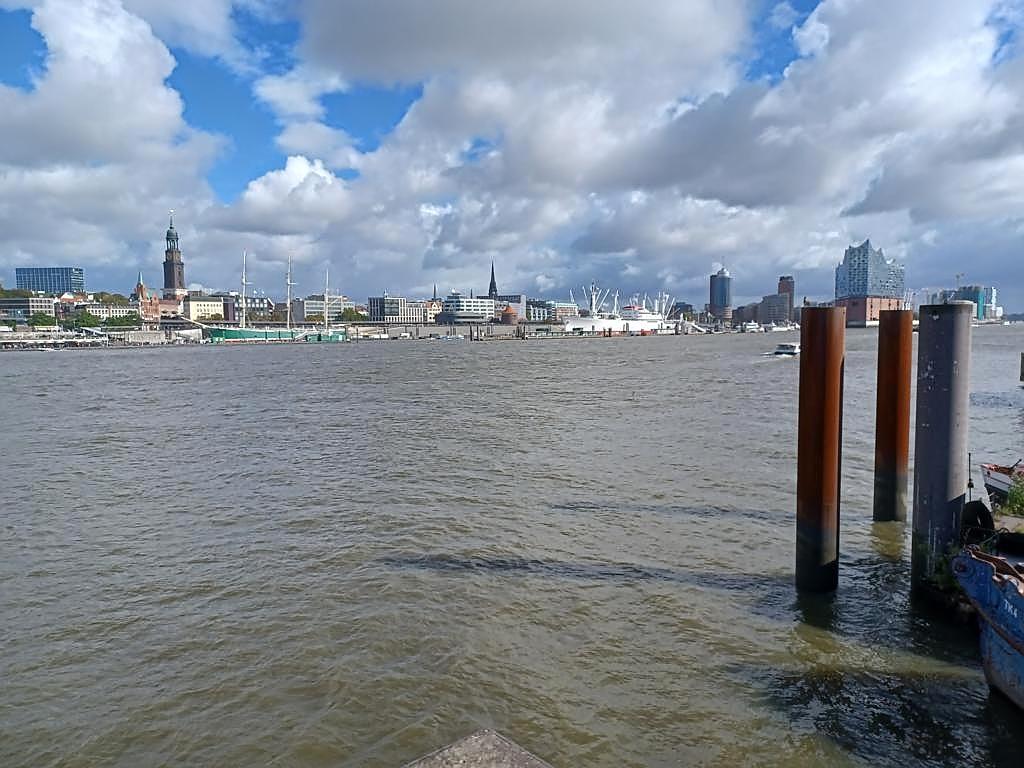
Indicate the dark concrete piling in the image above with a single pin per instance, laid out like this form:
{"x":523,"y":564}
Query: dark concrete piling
{"x":819,"y":449}
{"x":892,"y":413}
{"x":483,"y":749}
{"x":940,"y":442}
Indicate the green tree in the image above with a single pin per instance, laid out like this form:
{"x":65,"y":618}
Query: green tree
{"x":82,"y":319}
{"x":1015,"y":497}
{"x":13,"y":293}
{"x":314,"y":318}
{"x":351,"y":315}
{"x":42,"y":319}
{"x":12,"y":324}
{"x":111,"y":298}
{"x":132,"y":319}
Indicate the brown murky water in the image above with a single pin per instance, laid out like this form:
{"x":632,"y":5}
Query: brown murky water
{"x":349,"y":555}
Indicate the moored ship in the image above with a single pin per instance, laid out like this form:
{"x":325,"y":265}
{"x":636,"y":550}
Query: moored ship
{"x":634,"y":319}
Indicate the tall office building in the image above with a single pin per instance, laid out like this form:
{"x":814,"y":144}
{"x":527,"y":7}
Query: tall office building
{"x":52,"y":280}
{"x":720,"y":305}
{"x":174,"y":269}
{"x":787,"y":287}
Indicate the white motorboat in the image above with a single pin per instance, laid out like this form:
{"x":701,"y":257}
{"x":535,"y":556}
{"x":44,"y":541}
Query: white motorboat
{"x":999,"y":478}
{"x":788,"y":349}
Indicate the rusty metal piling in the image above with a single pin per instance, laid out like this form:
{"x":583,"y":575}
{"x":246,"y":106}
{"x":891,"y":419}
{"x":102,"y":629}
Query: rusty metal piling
{"x":892,"y":414}
{"x":940,"y":441}
{"x":819,"y":447}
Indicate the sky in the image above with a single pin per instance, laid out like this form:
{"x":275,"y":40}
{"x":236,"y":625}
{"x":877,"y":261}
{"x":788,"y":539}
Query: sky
{"x":409,"y":144}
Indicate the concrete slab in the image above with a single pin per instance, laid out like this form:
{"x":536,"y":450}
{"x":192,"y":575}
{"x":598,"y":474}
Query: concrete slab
{"x":483,"y":749}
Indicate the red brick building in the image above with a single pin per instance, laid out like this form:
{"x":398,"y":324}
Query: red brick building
{"x":862,"y":311}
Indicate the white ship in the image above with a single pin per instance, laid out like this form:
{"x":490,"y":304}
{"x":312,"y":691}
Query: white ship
{"x":635,"y":318}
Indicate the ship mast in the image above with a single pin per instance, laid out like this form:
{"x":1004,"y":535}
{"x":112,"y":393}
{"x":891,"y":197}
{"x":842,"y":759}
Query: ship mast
{"x":244,"y":283}
{"x":327,"y":271}
{"x":288,"y":283}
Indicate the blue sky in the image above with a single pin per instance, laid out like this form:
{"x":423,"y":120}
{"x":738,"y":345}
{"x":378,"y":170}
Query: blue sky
{"x":405,"y":146}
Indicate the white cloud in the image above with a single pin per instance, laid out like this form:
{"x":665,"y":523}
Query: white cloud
{"x":297,"y":93}
{"x":566,"y":141}
{"x":783,"y":16}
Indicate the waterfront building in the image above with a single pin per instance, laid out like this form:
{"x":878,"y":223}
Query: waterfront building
{"x":545,"y":311}
{"x":787,"y":286}
{"x":515,"y":300}
{"x":203,"y":307}
{"x":50,"y":280}
{"x":256,"y":307}
{"x":313,"y":306}
{"x":174,"y":268}
{"x":747,"y":313}
{"x":22,"y":308}
{"x":992,"y":309}
{"x":395,"y":309}
{"x":432,"y":308}
{"x":105,"y":311}
{"x":466,"y":309}
{"x":720,"y":305}
{"x":539,"y":311}
{"x":867,"y":283}
{"x":564,"y":310}
{"x":146,"y":303}
{"x":977,"y":295}
{"x":776,"y":309}
{"x":865,"y":271}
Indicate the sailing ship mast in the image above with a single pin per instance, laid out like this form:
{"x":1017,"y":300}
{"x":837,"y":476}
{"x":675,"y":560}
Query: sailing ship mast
{"x":288,"y":283}
{"x":244,"y":283}
{"x":327,"y":271}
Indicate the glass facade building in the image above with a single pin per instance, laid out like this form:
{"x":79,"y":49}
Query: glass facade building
{"x":720,"y":304}
{"x":866,"y":272}
{"x":52,"y":280}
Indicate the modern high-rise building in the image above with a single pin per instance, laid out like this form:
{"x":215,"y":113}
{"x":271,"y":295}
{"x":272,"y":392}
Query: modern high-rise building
{"x":720,"y":305}
{"x":787,"y":287}
{"x":174,"y":269}
{"x":52,"y":280}
{"x":975,"y":294}
{"x":866,"y":272}
{"x":867,"y":283}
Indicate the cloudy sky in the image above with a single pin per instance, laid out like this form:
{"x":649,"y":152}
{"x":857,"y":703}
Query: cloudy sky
{"x":411,"y":143}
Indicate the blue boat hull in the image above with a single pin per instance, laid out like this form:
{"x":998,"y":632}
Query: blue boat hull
{"x":994,"y":589}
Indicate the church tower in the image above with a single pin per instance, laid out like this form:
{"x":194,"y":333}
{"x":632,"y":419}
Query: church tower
{"x":174,"y":269}
{"x":492,"y":291}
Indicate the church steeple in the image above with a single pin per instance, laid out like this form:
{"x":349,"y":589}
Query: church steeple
{"x":492,"y":291}
{"x":172,"y":235}
{"x":174,"y":269}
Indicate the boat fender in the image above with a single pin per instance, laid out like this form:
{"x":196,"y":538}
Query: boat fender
{"x":976,"y":522}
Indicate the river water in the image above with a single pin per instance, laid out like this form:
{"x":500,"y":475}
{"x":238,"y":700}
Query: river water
{"x":348,"y":555}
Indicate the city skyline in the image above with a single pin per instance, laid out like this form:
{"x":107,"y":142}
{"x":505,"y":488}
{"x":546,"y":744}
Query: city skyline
{"x":706,"y":134}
